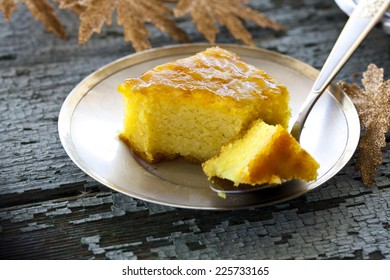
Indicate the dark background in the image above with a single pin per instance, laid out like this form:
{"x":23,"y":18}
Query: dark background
{"x":50,"y":209}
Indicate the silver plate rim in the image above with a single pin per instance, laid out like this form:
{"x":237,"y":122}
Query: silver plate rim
{"x":79,"y":91}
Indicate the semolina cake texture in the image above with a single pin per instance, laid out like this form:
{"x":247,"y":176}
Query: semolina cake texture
{"x":266,"y":154}
{"x":193,"y":106}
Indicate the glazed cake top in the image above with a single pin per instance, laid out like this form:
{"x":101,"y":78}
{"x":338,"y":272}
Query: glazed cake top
{"x":214,"y":70}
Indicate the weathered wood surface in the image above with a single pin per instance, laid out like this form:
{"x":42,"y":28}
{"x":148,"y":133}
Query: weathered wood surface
{"x":49,"y":209}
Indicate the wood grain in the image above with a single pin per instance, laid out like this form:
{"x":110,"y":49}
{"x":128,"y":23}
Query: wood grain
{"x":49,"y":209}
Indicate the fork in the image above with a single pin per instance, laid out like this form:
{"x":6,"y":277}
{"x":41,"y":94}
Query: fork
{"x":364,"y":17}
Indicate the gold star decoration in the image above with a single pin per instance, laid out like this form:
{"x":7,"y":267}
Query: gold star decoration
{"x":206,"y":14}
{"x":40,"y":9}
{"x":373,"y":106}
{"x":134,"y":15}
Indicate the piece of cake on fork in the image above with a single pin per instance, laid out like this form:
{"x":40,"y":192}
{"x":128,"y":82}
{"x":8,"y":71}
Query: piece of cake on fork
{"x":266,"y":154}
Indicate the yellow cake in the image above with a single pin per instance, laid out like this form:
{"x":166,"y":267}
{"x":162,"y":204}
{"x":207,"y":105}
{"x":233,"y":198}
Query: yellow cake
{"x":193,"y":106}
{"x":267,"y":154}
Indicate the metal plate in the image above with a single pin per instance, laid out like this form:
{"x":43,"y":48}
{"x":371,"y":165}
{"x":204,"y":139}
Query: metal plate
{"x":91,"y":118}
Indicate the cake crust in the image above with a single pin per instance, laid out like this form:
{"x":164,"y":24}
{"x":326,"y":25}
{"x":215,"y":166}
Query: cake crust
{"x":215,"y":71}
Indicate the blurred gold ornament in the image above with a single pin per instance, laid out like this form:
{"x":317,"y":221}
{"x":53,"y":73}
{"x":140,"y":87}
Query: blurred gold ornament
{"x":206,"y":14}
{"x":133,"y":15}
{"x":40,"y":9}
{"x":373,"y":106}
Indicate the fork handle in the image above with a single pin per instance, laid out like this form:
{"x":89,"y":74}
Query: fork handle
{"x":364,"y":17}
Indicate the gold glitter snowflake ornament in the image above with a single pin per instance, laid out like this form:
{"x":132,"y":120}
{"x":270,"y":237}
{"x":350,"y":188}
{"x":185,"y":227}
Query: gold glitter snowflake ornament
{"x":136,"y":15}
{"x":373,"y":106}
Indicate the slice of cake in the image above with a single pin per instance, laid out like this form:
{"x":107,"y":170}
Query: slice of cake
{"x":193,"y":106}
{"x":267,"y":154}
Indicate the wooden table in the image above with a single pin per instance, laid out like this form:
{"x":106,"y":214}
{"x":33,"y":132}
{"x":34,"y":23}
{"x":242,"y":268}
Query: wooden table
{"x":50,"y":209}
